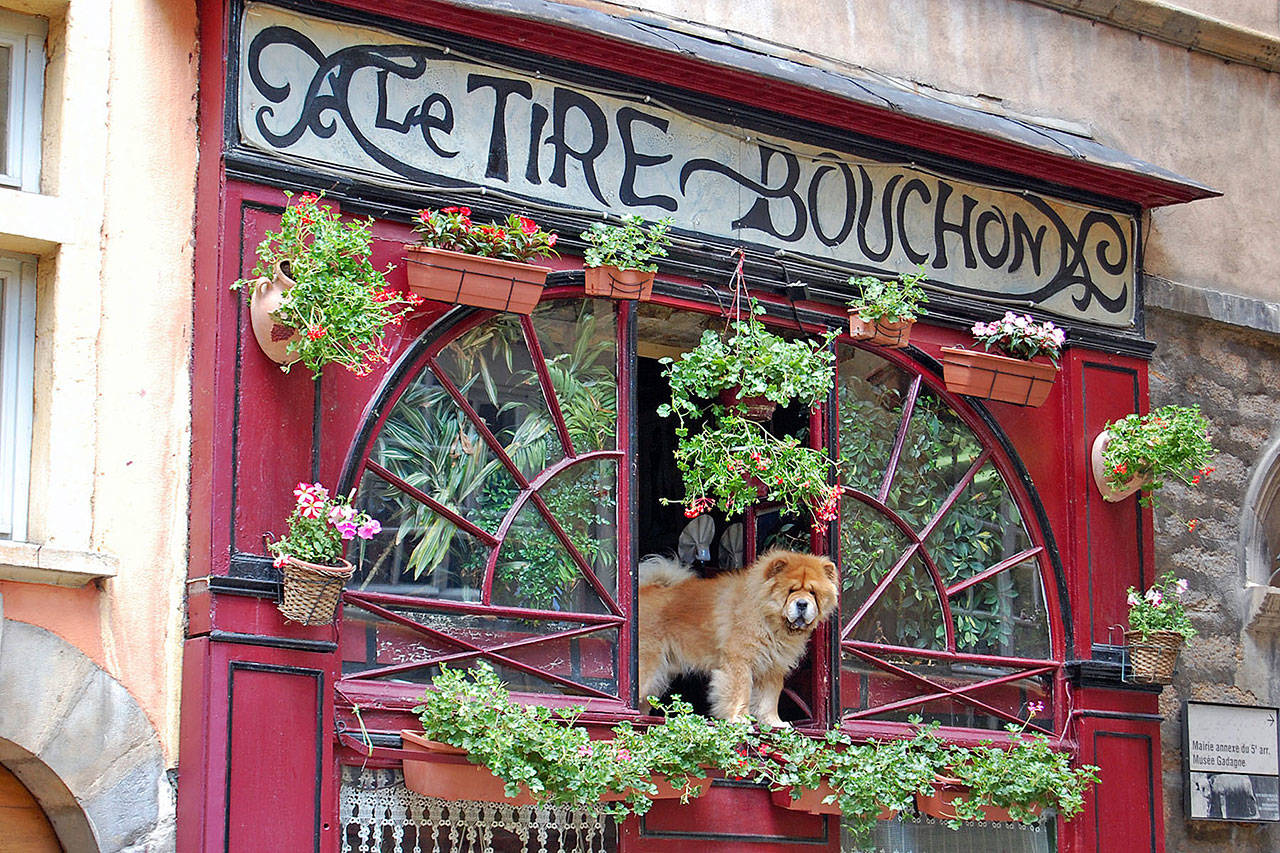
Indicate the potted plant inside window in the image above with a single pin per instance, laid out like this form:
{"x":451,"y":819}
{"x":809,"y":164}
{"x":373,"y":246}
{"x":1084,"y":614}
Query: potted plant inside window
{"x":885,"y":311}
{"x":1137,"y":452}
{"x":730,"y":386}
{"x":315,"y":297}
{"x":486,"y":266}
{"x":1158,"y":628}
{"x":1007,"y":782}
{"x":619,"y":258}
{"x":1023,"y":370}
{"x":310,"y":554}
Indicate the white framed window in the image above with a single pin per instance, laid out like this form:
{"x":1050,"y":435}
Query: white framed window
{"x":17,"y":377}
{"x":21,"y":96}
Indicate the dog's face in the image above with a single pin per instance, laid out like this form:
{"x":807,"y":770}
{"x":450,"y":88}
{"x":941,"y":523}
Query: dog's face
{"x":803,"y":587}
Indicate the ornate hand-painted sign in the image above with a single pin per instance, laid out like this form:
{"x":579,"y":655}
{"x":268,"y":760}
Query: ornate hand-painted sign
{"x":380,"y":107}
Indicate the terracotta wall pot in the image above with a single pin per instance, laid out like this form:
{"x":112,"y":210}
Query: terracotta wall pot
{"x":1110,"y":493}
{"x":311,"y":591}
{"x":1152,"y":657}
{"x":461,"y":279}
{"x":446,"y":773}
{"x":272,"y":337}
{"x":939,"y":804}
{"x":997,"y":377}
{"x":756,"y":408}
{"x":894,"y":335}
{"x":619,"y":284}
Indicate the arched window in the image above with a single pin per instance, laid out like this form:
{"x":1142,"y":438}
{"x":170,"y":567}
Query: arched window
{"x":517,"y":467}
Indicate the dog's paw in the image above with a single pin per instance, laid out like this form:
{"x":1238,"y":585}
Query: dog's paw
{"x":776,"y":723}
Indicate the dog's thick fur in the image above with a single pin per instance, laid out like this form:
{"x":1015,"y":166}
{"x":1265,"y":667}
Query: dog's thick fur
{"x":747,"y":629}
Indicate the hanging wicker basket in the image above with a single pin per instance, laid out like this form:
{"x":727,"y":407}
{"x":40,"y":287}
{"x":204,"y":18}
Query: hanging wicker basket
{"x":311,"y":591}
{"x":1153,"y":656}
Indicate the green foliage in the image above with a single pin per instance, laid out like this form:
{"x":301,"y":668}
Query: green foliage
{"x":319,"y":526}
{"x":728,"y":459}
{"x":545,"y":752}
{"x":629,"y":246}
{"x":1160,"y":608}
{"x":979,"y":530}
{"x":518,"y":239}
{"x":1018,"y":777}
{"x":1172,"y":441}
{"x":339,"y":303}
{"x":897,"y":299}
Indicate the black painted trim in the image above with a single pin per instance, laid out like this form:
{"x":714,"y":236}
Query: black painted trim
{"x":253,"y":666}
{"x":244,"y":585}
{"x":319,"y":646}
{"x":1121,"y":715}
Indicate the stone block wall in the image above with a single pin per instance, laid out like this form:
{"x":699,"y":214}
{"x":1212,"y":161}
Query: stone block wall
{"x":1233,"y":373}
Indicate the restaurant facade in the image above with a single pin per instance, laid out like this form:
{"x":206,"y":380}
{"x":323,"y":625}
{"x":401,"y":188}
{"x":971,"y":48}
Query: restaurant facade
{"x":517,"y":462}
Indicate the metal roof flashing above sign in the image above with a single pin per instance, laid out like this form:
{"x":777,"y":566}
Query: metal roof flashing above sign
{"x":887,"y":110}
{"x":414,"y":117}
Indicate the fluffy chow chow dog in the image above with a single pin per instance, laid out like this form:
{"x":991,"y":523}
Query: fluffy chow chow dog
{"x":746,"y":629}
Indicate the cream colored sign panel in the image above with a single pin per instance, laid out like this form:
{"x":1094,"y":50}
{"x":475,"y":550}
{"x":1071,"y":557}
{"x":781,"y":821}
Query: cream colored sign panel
{"x":387,"y":109}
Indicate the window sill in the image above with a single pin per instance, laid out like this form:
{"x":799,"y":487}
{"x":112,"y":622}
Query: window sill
{"x":29,"y":562}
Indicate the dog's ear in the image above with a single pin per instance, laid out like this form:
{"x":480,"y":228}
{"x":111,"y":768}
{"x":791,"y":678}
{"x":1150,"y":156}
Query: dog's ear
{"x":776,"y":565}
{"x":830,"y":569}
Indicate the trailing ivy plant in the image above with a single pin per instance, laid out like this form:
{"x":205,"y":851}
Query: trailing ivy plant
{"x":1172,"y":441}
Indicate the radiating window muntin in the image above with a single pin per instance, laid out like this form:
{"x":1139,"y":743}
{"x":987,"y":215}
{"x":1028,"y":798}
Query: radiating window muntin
{"x":497,"y":483}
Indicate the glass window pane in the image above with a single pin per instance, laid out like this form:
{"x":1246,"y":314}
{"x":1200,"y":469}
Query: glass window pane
{"x":938,"y":450}
{"x":6,"y":83}
{"x":906,"y":614}
{"x":371,"y":642}
{"x":865,"y":685}
{"x":1004,"y":615}
{"x":981,"y":529}
{"x":584,"y":501}
{"x":535,"y":570}
{"x":418,"y":552}
{"x":926,"y":835}
{"x":493,"y":369}
{"x":579,"y":345}
{"x":871,"y":392}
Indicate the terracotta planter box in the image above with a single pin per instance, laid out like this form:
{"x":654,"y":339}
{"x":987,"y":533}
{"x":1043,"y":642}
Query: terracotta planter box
{"x":811,"y":801}
{"x":667,"y":791}
{"x":619,"y":284}
{"x":997,"y":377}
{"x":939,"y":804}
{"x":446,"y":773}
{"x":894,"y":335}
{"x":461,"y":279}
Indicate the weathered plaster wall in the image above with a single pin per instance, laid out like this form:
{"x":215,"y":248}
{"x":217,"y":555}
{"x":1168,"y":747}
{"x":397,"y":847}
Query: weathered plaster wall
{"x":112,"y":227}
{"x":1232,"y":374}
{"x":1213,"y":121}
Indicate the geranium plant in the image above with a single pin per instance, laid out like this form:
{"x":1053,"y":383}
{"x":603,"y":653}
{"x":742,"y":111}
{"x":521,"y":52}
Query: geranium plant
{"x":1021,"y":337}
{"x":891,"y":300}
{"x":518,"y":239}
{"x":1172,"y":441}
{"x":1160,"y":608}
{"x":338,"y":303}
{"x":628,"y":246}
{"x":320,"y":526}
{"x":728,"y":459}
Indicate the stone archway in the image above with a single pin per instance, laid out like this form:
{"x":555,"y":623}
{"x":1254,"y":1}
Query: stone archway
{"x":81,"y":745}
